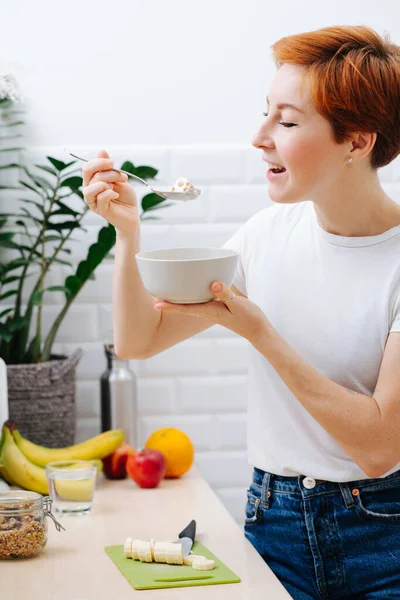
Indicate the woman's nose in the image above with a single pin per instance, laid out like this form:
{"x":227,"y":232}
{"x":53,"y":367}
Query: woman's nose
{"x":262,"y":139}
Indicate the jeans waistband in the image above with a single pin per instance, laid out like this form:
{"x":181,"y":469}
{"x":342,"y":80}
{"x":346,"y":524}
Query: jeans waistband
{"x":294,"y":485}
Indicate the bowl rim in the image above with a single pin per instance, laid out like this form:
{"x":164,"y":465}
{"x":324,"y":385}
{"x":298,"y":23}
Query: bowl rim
{"x":142,"y":255}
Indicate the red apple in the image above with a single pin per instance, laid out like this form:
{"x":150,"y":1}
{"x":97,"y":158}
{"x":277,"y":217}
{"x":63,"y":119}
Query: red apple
{"x":114,"y":465}
{"x":146,"y":467}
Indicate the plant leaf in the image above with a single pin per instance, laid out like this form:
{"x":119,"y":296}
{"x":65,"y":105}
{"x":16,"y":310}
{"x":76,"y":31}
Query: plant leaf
{"x":18,"y":323}
{"x":5,"y":334}
{"x":39,"y":181}
{"x":16,"y":264}
{"x":30,"y":187}
{"x":128,"y":166}
{"x":37,"y":204}
{"x":10,"y":279}
{"x":58,"y":164}
{"x":37,"y":297}
{"x":146,"y":172}
{"x":73,"y":284}
{"x":53,"y":238}
{"x":34,"y":349}
{"x":10,"y":166}
{"x":63,"y":225}
{"x":61,"y":262}
{"x":13,"y":124}
{"x":73,"y":183}
{"x":64,"y":209}
{"x":11,"y":137}
{"x":29,"y":215}
{"x":6,"y":240}
{"x":95,"y":255}
{"x":107,"y":236}
{"x":47,"y":169}
{"x":83,"y":270}
{"x":151,"y":200}
{"x":56,"y":288}
{"x":5,"y":312}
{"x":11,"y":149}
{"x":8,"y":294}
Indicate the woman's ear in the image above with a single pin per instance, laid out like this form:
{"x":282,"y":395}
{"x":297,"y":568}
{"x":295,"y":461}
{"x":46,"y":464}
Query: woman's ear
{"x":362,"y":144}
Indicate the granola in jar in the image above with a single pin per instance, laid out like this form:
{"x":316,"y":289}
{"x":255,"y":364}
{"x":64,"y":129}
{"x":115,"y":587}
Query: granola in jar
{"x":23,"y":525}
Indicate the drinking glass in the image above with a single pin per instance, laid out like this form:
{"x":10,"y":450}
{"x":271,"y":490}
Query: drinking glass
{"x":71,"y":485}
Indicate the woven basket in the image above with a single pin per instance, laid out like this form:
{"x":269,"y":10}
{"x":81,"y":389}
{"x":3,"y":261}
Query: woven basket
{"x":41,"y":400}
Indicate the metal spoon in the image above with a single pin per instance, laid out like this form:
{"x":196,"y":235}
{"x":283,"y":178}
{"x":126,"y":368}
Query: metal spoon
{"x":191,"y":194}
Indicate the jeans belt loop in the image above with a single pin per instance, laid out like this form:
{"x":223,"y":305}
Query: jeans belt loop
{"x":347,"y":495}
{"x":265,"y":493}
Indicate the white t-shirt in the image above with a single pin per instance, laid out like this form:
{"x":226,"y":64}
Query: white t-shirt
{"x":334,"y":299}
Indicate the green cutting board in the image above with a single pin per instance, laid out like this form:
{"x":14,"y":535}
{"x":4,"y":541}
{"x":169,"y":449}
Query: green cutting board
{"x":147,"y":576}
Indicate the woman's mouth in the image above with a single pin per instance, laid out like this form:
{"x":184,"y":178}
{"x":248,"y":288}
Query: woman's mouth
{"x":275,"y":171}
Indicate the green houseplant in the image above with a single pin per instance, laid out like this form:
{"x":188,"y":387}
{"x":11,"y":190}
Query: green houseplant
{"x":36,"y":236}
{"x":45,"y":222}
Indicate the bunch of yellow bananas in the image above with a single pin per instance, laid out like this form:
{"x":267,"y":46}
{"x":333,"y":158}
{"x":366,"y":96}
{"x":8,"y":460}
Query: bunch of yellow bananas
{"x":22,"y":462}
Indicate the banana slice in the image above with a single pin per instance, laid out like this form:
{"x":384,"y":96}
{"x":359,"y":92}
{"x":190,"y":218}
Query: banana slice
{"x":159,"y":552}
{"x":173,"y":553}
{"x":135,"y":547}
{"x":203,"y":565}
{"x":128,"y":547}
{"x":188,"y":560}
{"x":144,"y":552}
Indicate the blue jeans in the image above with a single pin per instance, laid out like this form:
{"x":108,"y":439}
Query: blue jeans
{"x":327,"y":540}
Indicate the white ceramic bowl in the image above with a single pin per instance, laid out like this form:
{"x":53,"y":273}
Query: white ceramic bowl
{"x":184,"y":275}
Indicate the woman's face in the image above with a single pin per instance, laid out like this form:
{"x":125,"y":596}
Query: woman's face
{"x":299,"y":140}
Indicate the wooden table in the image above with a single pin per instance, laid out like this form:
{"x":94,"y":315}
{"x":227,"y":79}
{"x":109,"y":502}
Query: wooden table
{"x":74,"y":565}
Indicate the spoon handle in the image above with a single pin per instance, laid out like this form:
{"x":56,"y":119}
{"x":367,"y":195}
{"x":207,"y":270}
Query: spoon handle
{"x":114,"y":169}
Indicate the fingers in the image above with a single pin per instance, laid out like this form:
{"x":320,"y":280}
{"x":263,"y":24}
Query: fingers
{"x":223,"y":292}
{"x":98,"y":195}
{"x":109,"y":176}
{"x":93,"y":166}
{"x":103,"y":202}
{"x":102,"y":153}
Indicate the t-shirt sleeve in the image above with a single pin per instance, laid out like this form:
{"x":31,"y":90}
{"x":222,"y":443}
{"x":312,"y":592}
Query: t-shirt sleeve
{"x":236,"y":242}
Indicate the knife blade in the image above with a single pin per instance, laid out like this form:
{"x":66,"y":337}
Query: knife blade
{"x":187,"y":536}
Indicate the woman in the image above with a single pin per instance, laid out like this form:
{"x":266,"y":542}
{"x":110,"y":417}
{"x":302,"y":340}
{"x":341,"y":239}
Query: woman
{"x":322,"y":269}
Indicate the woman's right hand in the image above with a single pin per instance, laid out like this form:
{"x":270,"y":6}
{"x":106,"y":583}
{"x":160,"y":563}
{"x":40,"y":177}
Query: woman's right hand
{"x":108,"y":194}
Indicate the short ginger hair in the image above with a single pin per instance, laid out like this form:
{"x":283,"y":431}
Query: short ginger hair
{"x":355,"y":82}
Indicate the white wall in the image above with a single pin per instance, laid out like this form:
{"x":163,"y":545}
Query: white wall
{"x":179,"y":85}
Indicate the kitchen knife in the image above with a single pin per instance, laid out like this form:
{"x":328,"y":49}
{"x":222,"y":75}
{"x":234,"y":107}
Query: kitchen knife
{"x":186,"y":537}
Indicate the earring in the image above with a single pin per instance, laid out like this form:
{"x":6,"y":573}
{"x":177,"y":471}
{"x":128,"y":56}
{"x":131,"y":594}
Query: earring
{"x":350,"y":159}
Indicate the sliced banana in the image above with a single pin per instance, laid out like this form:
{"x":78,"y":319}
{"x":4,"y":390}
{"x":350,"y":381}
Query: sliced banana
{"x":144,"y":552}
{"x":160,"y":552}
{"x":203,"y":565}
{"x":128,"y":547}
{"x":135,"y":547}
{"x":173,"y":553}
{"x":187,"y":560}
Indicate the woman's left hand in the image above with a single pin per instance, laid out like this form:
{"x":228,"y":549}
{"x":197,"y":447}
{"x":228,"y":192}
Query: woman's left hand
{"x":236,"y":313}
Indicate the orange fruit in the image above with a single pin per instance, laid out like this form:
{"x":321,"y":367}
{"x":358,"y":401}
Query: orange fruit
{"x":177,"y":448}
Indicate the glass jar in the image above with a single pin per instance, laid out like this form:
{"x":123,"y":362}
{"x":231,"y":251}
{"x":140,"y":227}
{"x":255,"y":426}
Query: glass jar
{"x":23,"y":525}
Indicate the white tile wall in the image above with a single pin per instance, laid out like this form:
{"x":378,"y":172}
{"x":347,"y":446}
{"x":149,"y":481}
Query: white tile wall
{"x":199,"y":385}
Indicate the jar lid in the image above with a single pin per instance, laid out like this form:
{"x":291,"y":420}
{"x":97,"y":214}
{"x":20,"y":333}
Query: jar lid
{"x":17,"y":502}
